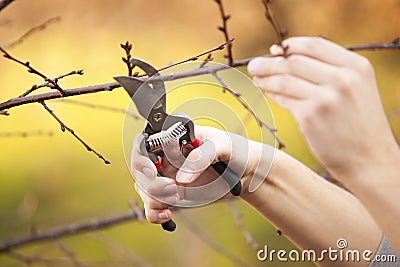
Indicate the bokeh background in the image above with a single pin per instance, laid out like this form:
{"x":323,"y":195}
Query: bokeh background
{"x":48,"y":181}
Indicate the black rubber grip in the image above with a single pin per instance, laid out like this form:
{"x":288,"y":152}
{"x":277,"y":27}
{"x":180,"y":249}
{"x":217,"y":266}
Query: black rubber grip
{"x":229,"y":176}
{"x":169,"y":226}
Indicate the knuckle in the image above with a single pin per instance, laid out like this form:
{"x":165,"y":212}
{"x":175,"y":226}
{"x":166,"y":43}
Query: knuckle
{"x":151,"y":218}
{"x":364,"y":65}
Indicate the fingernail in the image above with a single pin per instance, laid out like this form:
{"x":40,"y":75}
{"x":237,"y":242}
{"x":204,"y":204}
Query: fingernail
{"x":254,"y":65}
{"x":171,"y":200}
{"x":163,"y":215}
{"x":276,"y":50}
{"x":148,"y":172}
{"x":169,"y":189}
{"x":184,"y":176}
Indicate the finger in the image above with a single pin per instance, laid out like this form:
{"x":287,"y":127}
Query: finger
{"x":158,"y":188}
{"x":197,"y":162}
{"x":287,"y":85}
{"x":307,"y":68}
{"x":317,"y":48}
{"x":158,"y":201}
{"x":285,"y":102}
{"x":157,"y":216}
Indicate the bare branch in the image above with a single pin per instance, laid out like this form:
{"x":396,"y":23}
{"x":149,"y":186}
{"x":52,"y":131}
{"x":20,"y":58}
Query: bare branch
{"x":4,"y":113}
{"x":29,"y":260}
{"x":101,"y":107}
{"x":207,"y":60}
{"x":239,"y":98}
{"x":127,"y":48}
{"x":168,"y":77}
{"x":33,"y":70}
{"x":67,"y":230}
{"x":65,"y":127}
{"x":48,"y":84}
{"x":133,"y":204}
{"x":395,"y":44}
{"x":269,"y":14}
{"x":211,"y":242}
{"x":26,"y":134}
{"x":5,"y":3}
{"x":238,"y":218}
{"x":33,"y":30}
{"x":69,"y":254}
{"x":224,"y":30}
{"x":194,"y":58}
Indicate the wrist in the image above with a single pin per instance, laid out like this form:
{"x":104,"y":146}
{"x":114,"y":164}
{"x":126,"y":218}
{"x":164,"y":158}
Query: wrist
{"x":377,"y":165}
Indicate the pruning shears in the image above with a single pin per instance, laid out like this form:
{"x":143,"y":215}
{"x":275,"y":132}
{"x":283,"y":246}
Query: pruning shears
{"x":150,"y":102}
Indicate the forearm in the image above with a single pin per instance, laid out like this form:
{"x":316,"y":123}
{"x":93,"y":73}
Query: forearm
{"x":377,"y":186}
{"x":312,"y":212}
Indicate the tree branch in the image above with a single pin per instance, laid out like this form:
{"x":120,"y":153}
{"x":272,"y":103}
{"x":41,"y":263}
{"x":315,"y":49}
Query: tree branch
{"x":169,"y":77}
{"x":197,"y":231}
{"x":67,"y":230}
{"x":70,"y":255}
{"x":31,"y":31}
{"x":26,"y":134}
{"x":33,"y":71}
{"x":5,"y":3}
{"x":48,"y":84}
{"x":269,"y":14}
{"x":224,"y":30}
{"x":65,"y":127}
{"x":238,"y":219}
{"x":239,"y":98}
{"x":101,"y":107}
{"x":395,"y":44}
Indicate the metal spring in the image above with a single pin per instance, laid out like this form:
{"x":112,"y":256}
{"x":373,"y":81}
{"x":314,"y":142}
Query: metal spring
{"x":171,"y":135}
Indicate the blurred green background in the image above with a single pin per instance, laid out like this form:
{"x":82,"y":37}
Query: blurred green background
{"x":46,"y":181}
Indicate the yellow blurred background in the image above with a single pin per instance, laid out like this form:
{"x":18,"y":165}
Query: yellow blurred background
{"x":47,"y":181}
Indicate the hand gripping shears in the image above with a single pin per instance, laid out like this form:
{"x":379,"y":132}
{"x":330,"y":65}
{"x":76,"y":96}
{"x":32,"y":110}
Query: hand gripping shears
{"x":150,"y":102}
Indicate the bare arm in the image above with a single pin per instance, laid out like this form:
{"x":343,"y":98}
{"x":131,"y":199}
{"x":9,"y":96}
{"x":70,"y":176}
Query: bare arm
{"x":310,"y":211}
{"x":332,"y":94}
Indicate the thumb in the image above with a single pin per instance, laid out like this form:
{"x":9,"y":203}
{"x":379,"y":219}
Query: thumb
{"x":198,"y":160}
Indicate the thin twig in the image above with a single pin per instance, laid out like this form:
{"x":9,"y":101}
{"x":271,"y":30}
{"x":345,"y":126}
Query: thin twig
{"x":48,"y":84}
{"x":133,"y":204}
{"x":211,"y":242}
{"x":67,"y":230}
{"x":127,"y":48}
{"x":26,"y":134}
{"x":65,"y":127}
{"x":33,"y":30}
{"x":168,"y":77}
{"x":70,"y":255}
{"x":115,"y":245}
{"x":395,"y":44}
{"x":101,"y":107}
{"x":4,"y":113}
{"x":33,"y":71}
{"x":239,"y":98}
{"x":193,"y":58}
{"x":269,"y":14}
{"x":5,"y":3}
{"x":29,"y":260}
{"x":207,"y":60}
{"x":238,"y":219}
{"x":224,"y":30}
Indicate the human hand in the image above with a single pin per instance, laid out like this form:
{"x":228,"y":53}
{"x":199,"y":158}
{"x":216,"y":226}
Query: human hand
{"x":333,"y":96}
{"x":189,"y":181}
